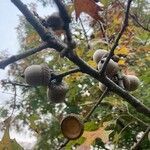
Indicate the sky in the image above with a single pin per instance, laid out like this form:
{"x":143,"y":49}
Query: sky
{"x":8,"y":23}
{"x":8,"y":41}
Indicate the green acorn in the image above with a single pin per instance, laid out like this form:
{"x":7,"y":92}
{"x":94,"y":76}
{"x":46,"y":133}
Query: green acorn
{"x":37,"y":75}
{"x":131,"y":82}
{"x":72,"y":127}
{"x":99,"y":54}
{"x":56,"y":92}
{"x":111,"y":69}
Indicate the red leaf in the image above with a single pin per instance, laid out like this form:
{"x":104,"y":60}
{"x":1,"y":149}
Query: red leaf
{"x":89,"y":7}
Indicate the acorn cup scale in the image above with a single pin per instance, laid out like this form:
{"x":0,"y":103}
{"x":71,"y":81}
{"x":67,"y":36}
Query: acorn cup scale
{"x":99,"y":54}
{"x":72,"y":127}
{"x":111,"y":69}
{"x":37,"y":75}
{"x":56,"y":92}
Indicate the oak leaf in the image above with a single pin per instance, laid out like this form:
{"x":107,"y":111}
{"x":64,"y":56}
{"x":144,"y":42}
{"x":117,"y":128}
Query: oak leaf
{"x":92,"y":135}
{"x":89,"y":7}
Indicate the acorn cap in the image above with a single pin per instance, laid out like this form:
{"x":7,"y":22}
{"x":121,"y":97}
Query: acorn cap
{"x":99,"y":54}
{"x":111,"y":69}
{"x":37,"y":75}
{"x":102,"y":87}
{"x":56,"y":92}
{"x":72,"y":127}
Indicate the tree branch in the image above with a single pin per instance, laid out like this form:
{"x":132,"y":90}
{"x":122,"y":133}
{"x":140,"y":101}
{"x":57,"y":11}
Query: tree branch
{"x":55,"y":43}
{"x":14,"y":83}
{"x":60,"y":76}
{"x":125,"y":24}
{"x":96,"y":105}
{"x":15,"y":58}
{"x":84,"y":31}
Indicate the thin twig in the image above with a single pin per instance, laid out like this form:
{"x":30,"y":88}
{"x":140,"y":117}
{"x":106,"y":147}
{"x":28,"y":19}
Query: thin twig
{"x":85,"y":34}
{"x":60,"y":76}
{"x":66,"y":19}
{"x":14,"y":100}
{"x":15,"y":83}
{"x":96,"y":105}
{"x":15,"y":58}
{"x":125,"y":24}
{"x":136,"y":146}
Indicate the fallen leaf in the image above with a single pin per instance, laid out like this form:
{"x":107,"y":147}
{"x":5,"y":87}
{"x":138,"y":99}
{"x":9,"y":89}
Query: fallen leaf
{"x":89,"y":7}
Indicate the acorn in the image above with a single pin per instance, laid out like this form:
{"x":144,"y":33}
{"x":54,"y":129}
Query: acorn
{"x":72,"y":127}
{"x":55,"y":21}
{"x":102,"y":87}
{"x":111,"y":69}
{"x":131,"y":82}
{"x":56,"y":92}
{"x":99,"y":54}
{"x":37,"y":75}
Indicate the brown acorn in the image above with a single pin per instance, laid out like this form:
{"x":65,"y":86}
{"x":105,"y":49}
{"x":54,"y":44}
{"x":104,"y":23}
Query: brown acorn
{"x":102,"y":87}
{"x":99,"y":54}
{"x":111,"y":69}
{"x":55,"y":22}
{"x":72,"y":127}
{"x":131,"y":82}
{"x":37,"y":75}
{"x":56,"y":92}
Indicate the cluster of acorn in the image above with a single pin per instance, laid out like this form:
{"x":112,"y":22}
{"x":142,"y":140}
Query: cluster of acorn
{"x":72,"y":127}
{"x":130,"y":82}
{"x":35,"y":75}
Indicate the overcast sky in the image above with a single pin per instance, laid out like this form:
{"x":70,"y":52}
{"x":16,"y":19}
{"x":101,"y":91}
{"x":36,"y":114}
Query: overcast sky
{"x":8,"y":41}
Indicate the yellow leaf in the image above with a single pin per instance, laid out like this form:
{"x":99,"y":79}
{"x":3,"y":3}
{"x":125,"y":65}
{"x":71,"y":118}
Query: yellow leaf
{"x":92,"y":63}
{"x":121,"y":62}
{"x":122,"y":50}
{"x":79,"y":51}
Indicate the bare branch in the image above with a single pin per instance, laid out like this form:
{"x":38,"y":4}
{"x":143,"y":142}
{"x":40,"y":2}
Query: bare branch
{"x":14,"y":100}
{"x":86,"y":37}
{"x":15,"y":58}
{"x":96,"y":105}
{"x":60,"y":76}
{"x":14,"y":83}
